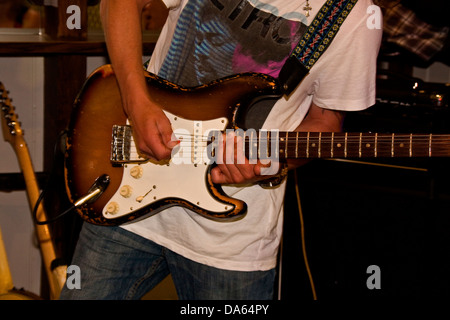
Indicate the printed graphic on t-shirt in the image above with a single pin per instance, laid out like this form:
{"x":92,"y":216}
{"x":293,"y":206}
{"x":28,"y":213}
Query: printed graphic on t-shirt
{"x":217,"y":38}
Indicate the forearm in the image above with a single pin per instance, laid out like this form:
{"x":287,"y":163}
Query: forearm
{"x":122,"y":24}
{"x":151,"y":128}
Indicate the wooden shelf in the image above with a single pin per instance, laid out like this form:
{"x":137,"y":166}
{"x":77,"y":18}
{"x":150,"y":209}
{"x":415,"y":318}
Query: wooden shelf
{"x":24,"y":45}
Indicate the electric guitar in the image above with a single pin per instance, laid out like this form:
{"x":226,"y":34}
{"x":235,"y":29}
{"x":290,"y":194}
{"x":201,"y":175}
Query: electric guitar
{"x":12,"y":132}
{"x":100,"y":142}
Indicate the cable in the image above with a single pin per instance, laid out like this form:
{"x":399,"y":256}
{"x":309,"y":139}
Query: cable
{"x":95,"y":191}
{"x":41,"y":196}
{"x":302,"y":232}
{"x":280,"y":269}
{"x":44,"y":191}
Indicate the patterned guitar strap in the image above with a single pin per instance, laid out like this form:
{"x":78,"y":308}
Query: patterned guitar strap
{"x":315,"y":41}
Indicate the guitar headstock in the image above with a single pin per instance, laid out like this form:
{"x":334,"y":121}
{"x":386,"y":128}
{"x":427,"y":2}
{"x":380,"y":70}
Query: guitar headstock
{"x":10,"y":124}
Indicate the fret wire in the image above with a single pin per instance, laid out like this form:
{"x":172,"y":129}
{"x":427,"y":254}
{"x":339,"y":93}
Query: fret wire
{"x":307,"y":145}
{"x":278,"y":149}
{"x":259,"y":145}
{"x":410,"y":144}
{"x":286,"y":144}
{"x":345,"y":146}
{"x":376,"y":145}
{"x":429,"y":146}
{"x":392,"y":145}
{"x":251,"y":144}
{"x":332,"y":145}
{"x":360,"y":143}
{"x":320,"y":145}
{"x":296,"y":145}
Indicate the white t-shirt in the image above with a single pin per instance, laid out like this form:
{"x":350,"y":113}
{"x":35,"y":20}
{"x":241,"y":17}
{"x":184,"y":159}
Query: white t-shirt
{"x":254,"y":35}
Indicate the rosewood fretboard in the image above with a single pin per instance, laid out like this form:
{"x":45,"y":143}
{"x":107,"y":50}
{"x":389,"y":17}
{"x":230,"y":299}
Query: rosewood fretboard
{"x":361,"y":145}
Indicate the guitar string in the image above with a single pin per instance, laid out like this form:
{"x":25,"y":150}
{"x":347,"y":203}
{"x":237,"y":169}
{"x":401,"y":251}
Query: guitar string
{"x":435,"y":139}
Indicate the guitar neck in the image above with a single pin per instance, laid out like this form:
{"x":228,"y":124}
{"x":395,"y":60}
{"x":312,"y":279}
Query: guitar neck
{"x":359,"y":145}
{"x":312,"y":145}
{"x":13,"y":133}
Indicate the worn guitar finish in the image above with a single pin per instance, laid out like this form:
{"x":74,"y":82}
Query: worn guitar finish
{"x":98,"y":108}
{"x":140,"y":188}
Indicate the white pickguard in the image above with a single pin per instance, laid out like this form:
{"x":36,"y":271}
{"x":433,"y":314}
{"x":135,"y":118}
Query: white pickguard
{"x":182,"y":177}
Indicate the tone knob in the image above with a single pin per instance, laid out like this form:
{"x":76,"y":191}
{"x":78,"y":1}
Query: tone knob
{"x":136,"y":172}
{"x":112,"y":208}
{"x":126,"y":191}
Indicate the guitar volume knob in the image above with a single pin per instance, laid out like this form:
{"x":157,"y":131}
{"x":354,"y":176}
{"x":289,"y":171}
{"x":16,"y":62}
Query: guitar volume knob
{"x":136,"y":172}
{"x":112,"y":208}
{"x":126,"y":191}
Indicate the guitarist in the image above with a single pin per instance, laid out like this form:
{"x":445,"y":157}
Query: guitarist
{"x":204,"y":40}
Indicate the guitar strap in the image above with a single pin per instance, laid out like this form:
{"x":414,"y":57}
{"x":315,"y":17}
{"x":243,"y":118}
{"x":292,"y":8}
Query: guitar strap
{"x":315,"y":41}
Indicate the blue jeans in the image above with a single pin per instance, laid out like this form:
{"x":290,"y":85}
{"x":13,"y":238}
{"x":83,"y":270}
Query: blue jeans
{"x":118,"y":265}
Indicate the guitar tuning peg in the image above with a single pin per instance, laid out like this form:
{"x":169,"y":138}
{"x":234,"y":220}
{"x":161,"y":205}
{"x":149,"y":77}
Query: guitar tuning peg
{"x":12,"y":128}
